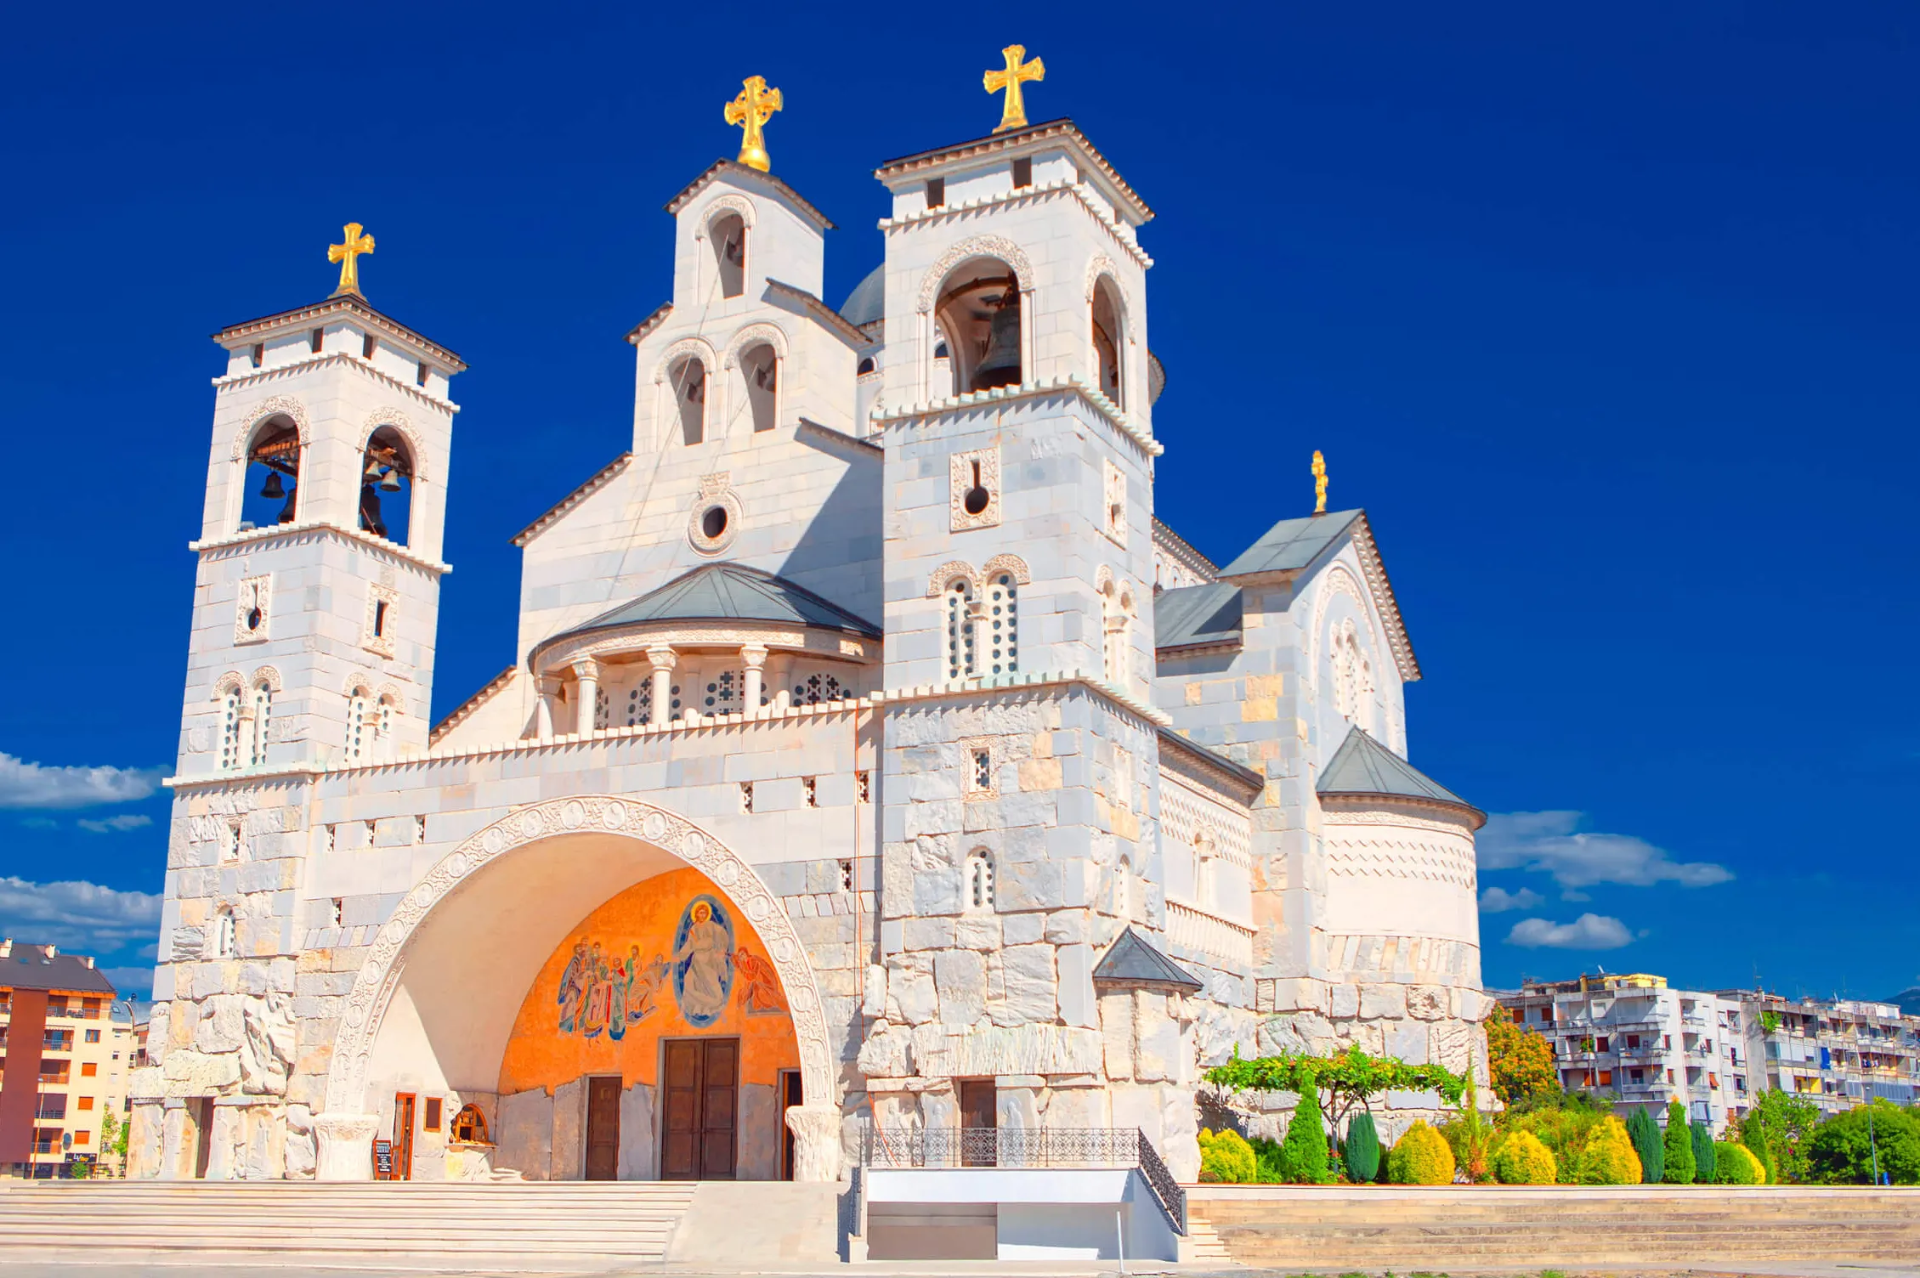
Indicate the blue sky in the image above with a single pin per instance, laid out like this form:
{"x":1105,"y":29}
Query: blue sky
{"x":1608,"y":319}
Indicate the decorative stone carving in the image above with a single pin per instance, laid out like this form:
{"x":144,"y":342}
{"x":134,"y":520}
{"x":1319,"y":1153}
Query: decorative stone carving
{"x":391,"y":416}
{"x":816,"y":1142}
{"x":266,"y":1045}
{"x":973,"y":480}
{"x":253,"y":610}
{"x":345,"y":1146}
{"x":973,"y":246}
{"x":273,"y":406}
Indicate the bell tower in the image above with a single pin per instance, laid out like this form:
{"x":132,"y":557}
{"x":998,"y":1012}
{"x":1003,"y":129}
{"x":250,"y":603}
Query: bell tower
{"x":316,"y":597}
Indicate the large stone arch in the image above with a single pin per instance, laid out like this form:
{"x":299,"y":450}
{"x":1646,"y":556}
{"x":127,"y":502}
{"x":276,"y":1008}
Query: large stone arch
{"x":346,"y":1130}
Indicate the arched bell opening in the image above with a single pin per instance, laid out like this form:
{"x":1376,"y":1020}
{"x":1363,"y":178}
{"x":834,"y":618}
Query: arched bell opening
{"x":759,"y":392}
{"x":386,"y":486}
{"x":978,"y":319}
{"x":270,"y":492}
{"x":728,"y":237}
{"x":1109,"y":375}
{"x":687,"y":382}
{"x":610,"y":1010}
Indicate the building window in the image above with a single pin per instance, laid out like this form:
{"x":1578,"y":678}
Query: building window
{"x":723,"y":693}
{"x":817,"y":688}
{"x":93,"y":1036}
{"x":86,"y":1102}
{"x":688,"y":378}
{"x":357,"y":727}
{"x":863,"y":787}
{"x":259,"y":354}
{"x":1023,"y":172}
{"x":936,"y":193}
{"x":317,"y":340}
{"x":230,"y":730}
{"x":980,"y":771}
{"x":1003,"y":637}
{"x":90,"y":1069}
{"x":979,"y":882}
{"x":640,"y":705}
{"x":1601,"y":1045}
{"x":810,"y":791}
{"x":846,"y":876}
{"x":470,"y":1125}
{"x":225,"y":940}
{"x":432,"y":1121}
{"x":262,"y":714}
{"x":338,"y":911}
{"x":959,"y":606}
{"x":728,"y":235}
{"x":746,"y":796}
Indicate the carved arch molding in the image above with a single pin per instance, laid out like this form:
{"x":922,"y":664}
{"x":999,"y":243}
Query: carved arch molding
{"x":973,"y":246}
{"x":380,"y":973}
{"x":273,"y":406}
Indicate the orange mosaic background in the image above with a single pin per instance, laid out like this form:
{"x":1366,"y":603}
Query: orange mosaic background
{"x":617,"y":968}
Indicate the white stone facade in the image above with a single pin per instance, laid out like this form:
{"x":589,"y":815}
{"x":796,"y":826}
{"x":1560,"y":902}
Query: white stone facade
{"x":863,"y":628}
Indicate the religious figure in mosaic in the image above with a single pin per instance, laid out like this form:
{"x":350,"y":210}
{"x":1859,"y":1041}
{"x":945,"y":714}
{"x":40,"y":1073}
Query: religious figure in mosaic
{"x":759,"y":985}
{"x":703,"y":961}
{"x":573,"y":988}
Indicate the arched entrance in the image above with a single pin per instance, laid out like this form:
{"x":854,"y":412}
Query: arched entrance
{"x":448,"y":974}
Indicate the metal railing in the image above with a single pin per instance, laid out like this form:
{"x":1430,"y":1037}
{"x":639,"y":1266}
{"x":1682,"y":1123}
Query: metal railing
{"x":1005,"y":1147}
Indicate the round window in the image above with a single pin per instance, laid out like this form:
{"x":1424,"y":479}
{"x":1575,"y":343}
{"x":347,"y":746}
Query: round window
{"x":713,"y":523}
{"x":253,"y":619}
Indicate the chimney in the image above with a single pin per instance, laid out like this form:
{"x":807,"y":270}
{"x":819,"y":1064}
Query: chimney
{"x":6,"y":947}
{"x":52,"y":952}
{"x":88,"y":960}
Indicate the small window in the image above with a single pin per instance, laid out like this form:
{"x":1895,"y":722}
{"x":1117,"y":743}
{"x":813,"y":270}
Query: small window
{"x":978,"y":884}
{"x":846,"y":876}
{"x":318,"y":340}
{"x":420,"y":829}
{"x":420,"y":374}
{"x":866,"y":366}
{"x":470,"y":1125}
{"x":863,"y":787}
{"x":331,"y":838}
{"x":90,"y":1069}
{"x":368,"y":345}
{"x":259,"y":354}
{"x":433,"y":1114}
{"x":936,"y":193}
{"x":746,"y":796}
{"x":339,"y":910}
{"x":1602,"y":1045}
{"x":380,"y":619}
{"x":93,"y":1036}
{"x":224,"y":940}
{"x":810,"y":790}
{"x":86,"y":1102}
{"x":1606,"y":1078}
{"x":981,"y":774}
{"x":1023,"y":172}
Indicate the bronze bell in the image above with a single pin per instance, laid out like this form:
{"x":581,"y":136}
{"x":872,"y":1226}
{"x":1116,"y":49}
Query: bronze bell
{"x":273,"y":487}
{"x":1000,"y":366}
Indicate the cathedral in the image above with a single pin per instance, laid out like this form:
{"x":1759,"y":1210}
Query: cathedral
{"x":870,"y":757}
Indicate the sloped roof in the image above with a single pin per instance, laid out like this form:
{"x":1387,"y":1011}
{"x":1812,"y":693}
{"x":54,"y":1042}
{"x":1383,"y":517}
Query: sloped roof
{"x":731,"y":592}
{"x":1363,"y":766}
{"x":1292,"y":544}
{"x":30,"y":968}
{"x":868,"y":301}
{"x":1131,"y":960}
{"x":1189,"y":616}
{"x":743,"y":175}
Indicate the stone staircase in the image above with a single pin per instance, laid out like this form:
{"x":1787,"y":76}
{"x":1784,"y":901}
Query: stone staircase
{"x":570,"y":1224}
{"x":1555,"y":1226}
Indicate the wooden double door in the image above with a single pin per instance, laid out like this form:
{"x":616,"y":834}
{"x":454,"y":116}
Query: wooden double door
{"x":699,"y":1131}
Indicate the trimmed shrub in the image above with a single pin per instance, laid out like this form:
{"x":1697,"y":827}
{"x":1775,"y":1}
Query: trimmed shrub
{"x":1644,"y":1134}
{"x":1704,"y":1161}
{"x":1303,"y":1154}
{"x":1609,"y":1158}
{"x":1735,"y":1165}
{"x":1522,"y":1160}
{"x":1564,"y":1131}
{"x":1421,"y":1157}
{"x":1361,"y":1152}
{"x":1753,"y":1139}
{"x":1226,"y":1159}
{"x":1677,"y":1147}
{"x":1266,"y":1159}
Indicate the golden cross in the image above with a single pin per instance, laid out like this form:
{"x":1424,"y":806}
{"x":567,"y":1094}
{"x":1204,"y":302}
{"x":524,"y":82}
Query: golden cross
{"x":1319,"y":483}
{"x":749,"y":111}
{"x":347,"y":255}
{"x":1013,"y":114}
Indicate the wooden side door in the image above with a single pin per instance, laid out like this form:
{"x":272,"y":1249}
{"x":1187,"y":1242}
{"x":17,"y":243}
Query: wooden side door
{"x":719,"y":1108}
{"x":697,"y":1131}
{"x":978,"y":1118}
{"x":202,"y":1111}
{"x":603,"y":1129}
{"x":790,"y":1098}
{"x":403,"y":1136}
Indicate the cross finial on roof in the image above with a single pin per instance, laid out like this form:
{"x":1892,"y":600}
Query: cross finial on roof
{"x":347,"y":255}
{"x":1013,"y":114}
{"x":749,"y":111}
{"x":1319,"y":483}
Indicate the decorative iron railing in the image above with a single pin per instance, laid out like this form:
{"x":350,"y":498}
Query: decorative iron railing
{"x":1004,"y":1147}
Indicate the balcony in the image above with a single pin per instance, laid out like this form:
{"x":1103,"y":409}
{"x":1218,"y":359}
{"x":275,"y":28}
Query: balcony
{"x":1195,"y":929}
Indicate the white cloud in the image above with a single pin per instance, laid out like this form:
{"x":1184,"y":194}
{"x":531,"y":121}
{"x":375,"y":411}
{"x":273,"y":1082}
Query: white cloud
{"x":34,"y":785}
{"x":1588,"y":932}
{"x":82,"y":917}
{"x":1496,"y":900}
{"x":1549,"y":841}
{"x":131,"y":982}
{"x":114,"y":824}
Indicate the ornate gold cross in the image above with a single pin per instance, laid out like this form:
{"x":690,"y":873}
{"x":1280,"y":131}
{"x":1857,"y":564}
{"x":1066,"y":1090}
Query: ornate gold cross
{"x":1013,"y":114}
{"x":1319,"y":483}
{"x":750,"y":111}
{"x":347,"y":255}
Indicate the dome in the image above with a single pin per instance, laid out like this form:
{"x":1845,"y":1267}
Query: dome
{"x":867,"y":304}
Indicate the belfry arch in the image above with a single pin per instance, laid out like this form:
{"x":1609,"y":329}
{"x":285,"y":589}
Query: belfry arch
{"x":445,"y":977}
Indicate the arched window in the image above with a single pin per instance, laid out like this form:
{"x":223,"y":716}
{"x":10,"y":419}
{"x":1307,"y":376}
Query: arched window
{"x":1123,"y":890}
{"x":270,"y":494}
{"x":977,"y":881}
{"x":866,"y":366}
{"x":386,"y":714}
{"x":262,"y":712}
{"x":230,"y":729}
{"x":688,"y":379}
{"x":602,"y":707}
{"x":959,"y":613}
{"x":640,"y":704}
{"x":225,"y":935}
{"x":978,"y":320}
{"x":728,"y":235}
{"x":1107,"y":339}
{"x":1116,"y":608}
{"x":386,"y":486}
{"x":359,"y":731}
{"x":1003,"y":635}
{"x":470,"y":1126}
{"x":760,"y":384}
{"x":1352,"y":677}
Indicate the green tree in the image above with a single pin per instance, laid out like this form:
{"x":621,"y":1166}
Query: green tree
{"x":1303,"y":1153}
{"x":1519,"y":1063}
{"x":1776,"y":1129}
{"x":1361,"y":1152}
{"x":1676,"y":1147}
{"x":1645,"y":1135}
{"x":111,"y":1136}
{"x":1703,"y":1154}
{"x":1846,"y":1148}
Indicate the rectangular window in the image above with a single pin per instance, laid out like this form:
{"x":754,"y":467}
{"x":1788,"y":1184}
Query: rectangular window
{"x":86,"y":1102}
{"x":54,"y":1073}
{"x":89,"y":1069}
{"x":379,"y":618}
{"x":863,"y":787}
{"x":846,"y":876}
{"x":339,"y":910}
{"x":83,"y":1137}
{"x":746,"y":796}
{"x":53,"y":1105}
{"x":420,"y":374}
{"x":1669,"y":1078}
{"x":1713,"y":1080}
{"x":93,"y":1036}
{"x":318,"y":340}
{"x":810,"y":791}
{"x":419,"y":829}
{"x":1633,"y":1042}
{"x":259,"y":353}
{"x":368,"y":345}
{"x":936,"y":193}
{"x":1602,"y":1046}
{"x":1022,"y":172}
{"x":433,"y":1113}
{"x":981,"y":777}
{"x":1666,"y":1042}
{"x":1606,"y":1078}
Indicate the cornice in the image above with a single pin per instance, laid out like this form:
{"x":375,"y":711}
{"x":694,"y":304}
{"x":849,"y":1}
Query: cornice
{"x":822,"y":314}
{"x":594,"y":484}
{"x":563,"y":649}
{"x":1019,"y":139}
{"x":739,"y":171}
{"x":260,"y":536}
{"x":1071,"y":385}
{"x":1022,"y":682}
{"x":1182,"y":549}
{"x":227,"y":382}
{"x":1376,"y":573}
{"x":1242,"y":780}
{"x":651,"y":322}
{"x":1121,"y":232}
{"x":1335,"y":804}
{"x":348,"y":304}
{"x":465,"y":710}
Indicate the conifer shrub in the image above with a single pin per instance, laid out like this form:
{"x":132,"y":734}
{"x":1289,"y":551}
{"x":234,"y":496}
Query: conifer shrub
{"x":1609,"y":1157}
{"x":1226,"y":1158}
{"x":1361,"y":1152}
{"x":1753,"y":1139}
{"x":1644,"y":1134}
{"x":1303,"y":1153}
{"x":1677,"y":1147}
{"x":1522,"y":1160}
{"x":1421,"y":1157}
{"x":1735,"y":1165}
{"x":1266,"y":1159}
{"x":1704,"y":1159}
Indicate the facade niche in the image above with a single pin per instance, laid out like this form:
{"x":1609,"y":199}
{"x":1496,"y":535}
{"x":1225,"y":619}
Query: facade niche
{"x":386,"y":486}
{"x":271,"y":483}
{"x":728,"y":236}
{"x":1107,"y":336}
{"x":760,"y":384}
{"x":688,"y":377}
{"x":979,"y":322}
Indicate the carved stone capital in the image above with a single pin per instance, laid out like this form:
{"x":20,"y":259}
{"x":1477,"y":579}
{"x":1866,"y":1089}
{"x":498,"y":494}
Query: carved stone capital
{"x":346,"y":1146}
{"x":753,"y":656}
{"x":816,"y":1142}
{"x":663,"y":658}
{"x":586,"y":668}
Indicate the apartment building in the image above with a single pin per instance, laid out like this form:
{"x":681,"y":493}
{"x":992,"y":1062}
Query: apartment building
{"x":63,"y":1060}
{"x":1635,"y":1040}
{"x":1839,"y":1052}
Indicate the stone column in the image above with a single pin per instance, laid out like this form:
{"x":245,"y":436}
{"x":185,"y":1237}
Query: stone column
{"x":753,"y":656}
{"x":586,"y":688}
{"x":816,"y":1142}
{"x":663,"y":660}
{"x":346,"y":1146}
{"x":982,"y":634}
{"x":548,"y":688}
{"x":1029,"y":345}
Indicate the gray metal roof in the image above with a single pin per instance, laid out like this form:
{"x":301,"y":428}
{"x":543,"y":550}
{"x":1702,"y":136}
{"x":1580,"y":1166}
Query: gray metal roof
{"x":732,"y":592}
{"x":1292,"y":544}
{"x":868,"y":301}
{"x":1189,"y":615}
{"x":29,"y":967}
{"x":1363,"y":766}
{"x":1130,"y":960}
